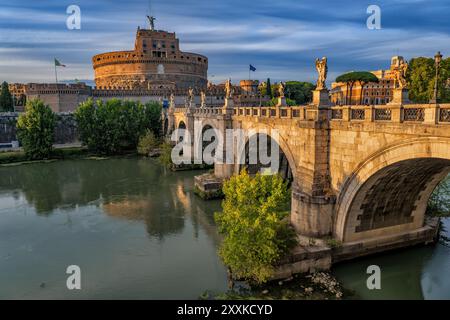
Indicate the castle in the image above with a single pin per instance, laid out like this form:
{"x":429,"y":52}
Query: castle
{"x":155,"y":63}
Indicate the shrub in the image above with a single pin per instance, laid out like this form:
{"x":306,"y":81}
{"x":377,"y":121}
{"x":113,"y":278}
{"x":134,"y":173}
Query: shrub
{"x":114,"y":126}
{"x":166,"y":154}
{"x":36,"y":130}
{"x":256,"y":233}
{"x":147,"y":143}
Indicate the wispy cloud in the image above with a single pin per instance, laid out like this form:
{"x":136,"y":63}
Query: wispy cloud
{"x":281,"y":38}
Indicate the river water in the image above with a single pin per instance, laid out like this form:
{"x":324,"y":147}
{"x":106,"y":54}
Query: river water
{"x":137,"y":231}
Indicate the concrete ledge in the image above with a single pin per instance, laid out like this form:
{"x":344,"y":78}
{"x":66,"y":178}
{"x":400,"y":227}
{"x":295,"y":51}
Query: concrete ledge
{"x":208,"y":186}
{"x":351,"y":250}
{"x":318,"y":257}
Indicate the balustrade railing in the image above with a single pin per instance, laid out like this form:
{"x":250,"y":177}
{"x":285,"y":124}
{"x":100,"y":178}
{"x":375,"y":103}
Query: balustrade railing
{"x":411,"y":113}
{"x":414,"y":114}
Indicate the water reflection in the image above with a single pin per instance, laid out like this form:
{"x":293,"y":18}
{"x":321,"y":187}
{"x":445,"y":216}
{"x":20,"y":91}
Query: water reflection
{"x":125,"y":189}
{"x":128,"y":224}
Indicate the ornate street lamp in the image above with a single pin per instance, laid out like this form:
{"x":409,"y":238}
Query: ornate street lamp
{"x":437,"y":62}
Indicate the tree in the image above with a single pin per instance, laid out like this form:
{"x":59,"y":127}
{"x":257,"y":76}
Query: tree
{"x":421,"y":76}
{"x":363,"y":77}
{"x":300,"y":92}
{"x":147,"y":143}
{"x":115,"y":126}
{"x":269,"y":89}
{"x":256,"y":234}
{"x":6,"y":100}
{"x":36,"y":129}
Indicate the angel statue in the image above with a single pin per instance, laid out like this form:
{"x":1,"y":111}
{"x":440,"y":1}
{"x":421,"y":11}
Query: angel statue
{"x":400,"y":75}
{"x":322,"y":70}
{"x":281,"y":89}
{"x":190,"y":96}
{"x":228,"y":89}
{"x":202,"y":99}
{"x":172,"y":100}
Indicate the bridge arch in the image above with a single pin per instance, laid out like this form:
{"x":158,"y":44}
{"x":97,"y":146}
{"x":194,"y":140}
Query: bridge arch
{"x":388,"y":193}
{"x":181,"y":125}
{"x":261,"y":129}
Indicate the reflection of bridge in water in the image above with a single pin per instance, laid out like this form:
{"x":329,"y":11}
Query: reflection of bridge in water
{"x":361,"y":174}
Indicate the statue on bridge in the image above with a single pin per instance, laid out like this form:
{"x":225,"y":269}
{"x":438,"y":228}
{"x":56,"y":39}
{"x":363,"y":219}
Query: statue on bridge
{"x":400,"y":75}
{"x":190,"y":97}
{"x":228,"y":89}
{"x":202,"y":99}
{"x":281,"y":87}
{"x":322,"y":70}
{"x":172,"y":101}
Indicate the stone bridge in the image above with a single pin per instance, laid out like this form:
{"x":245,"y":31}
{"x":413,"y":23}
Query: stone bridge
{"x":362,"y":175}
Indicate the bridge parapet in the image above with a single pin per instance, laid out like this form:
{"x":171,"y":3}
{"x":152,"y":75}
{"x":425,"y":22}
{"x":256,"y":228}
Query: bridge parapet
{"x":297,"y":112}
{"x":415,"y":113}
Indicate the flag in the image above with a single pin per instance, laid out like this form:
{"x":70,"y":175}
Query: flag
{"x":252,"y":68}
{"x":59,"y":64}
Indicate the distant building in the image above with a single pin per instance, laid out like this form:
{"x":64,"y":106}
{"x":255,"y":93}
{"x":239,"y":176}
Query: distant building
{"x":155,"y":63}
{"x":63,"y":97}
{"x":18,"y":94}
{"x":371,"y":93}
{"x":60,"y":97}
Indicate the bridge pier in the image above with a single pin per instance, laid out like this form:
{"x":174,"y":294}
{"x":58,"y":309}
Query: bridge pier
{"x":311,"y":216}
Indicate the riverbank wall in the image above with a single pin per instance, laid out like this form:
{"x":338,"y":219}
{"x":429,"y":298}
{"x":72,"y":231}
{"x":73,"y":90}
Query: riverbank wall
{"x":65,"y":131}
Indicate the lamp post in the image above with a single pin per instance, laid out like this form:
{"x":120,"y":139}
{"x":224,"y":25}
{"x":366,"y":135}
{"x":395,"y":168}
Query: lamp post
{"x":437,"y":63}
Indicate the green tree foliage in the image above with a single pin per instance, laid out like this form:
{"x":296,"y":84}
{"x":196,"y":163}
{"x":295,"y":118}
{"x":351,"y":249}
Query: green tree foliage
{"x":421,"y":78}
{"x":6,"y":100}
{"x":269,"y":89}
{"x":256,"y":233}
{"x":299,"y":92}
{"x":166,"y":154}
{"x":147,"y":143}
{"x":274,"y":101}
{"x":116,"y":125}
{"x":361,"y":77}
{"x":439,"y":202}
{"x":36,"y":129}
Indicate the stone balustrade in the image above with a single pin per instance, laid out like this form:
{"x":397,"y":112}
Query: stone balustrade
{"x":416,"y":113}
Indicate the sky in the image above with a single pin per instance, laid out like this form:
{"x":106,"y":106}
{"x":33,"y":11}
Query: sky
{"x":280,"y":38}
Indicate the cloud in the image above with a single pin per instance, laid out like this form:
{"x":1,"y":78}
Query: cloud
{"x":280,"y":38}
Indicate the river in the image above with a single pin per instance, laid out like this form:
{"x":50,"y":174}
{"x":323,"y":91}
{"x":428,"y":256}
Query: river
{"x":137,"y":231}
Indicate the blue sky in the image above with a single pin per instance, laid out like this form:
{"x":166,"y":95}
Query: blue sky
{"x":280,"y":38}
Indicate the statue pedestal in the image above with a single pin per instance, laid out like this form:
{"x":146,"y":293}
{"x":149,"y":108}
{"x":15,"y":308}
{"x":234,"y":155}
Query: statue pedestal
{"x":400,"y":96}
{"x":228,"y":107}
{"x":281,"y":102}
{"x":321,"y":98}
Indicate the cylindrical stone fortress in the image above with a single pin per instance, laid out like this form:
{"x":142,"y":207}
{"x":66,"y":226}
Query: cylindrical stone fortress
{"x":155,"y":63}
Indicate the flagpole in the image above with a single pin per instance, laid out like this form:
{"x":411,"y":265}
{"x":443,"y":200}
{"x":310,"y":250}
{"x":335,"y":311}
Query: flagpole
{"x":56,"y":75}
{"x":57,"y":89}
